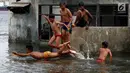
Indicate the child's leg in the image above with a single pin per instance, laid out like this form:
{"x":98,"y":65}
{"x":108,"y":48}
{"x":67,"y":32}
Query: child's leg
{"x":64,"y":44}
{"x":53,"y":54}
{"x":63,"y":35}
{"x":58,"y":40}
{"x":70,"y":49}
{"x":51,"y":41}
{"x":63,"y":47}
{"x":67,"y":36}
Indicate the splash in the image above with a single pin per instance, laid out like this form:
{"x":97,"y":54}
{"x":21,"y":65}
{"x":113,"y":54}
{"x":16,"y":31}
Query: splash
{"x":88,"y":56}
{"x":79,"y":56}
{"x":88,"y":53}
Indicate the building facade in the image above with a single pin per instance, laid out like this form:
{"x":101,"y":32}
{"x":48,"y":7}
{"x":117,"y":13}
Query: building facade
{"x":111,"y":23}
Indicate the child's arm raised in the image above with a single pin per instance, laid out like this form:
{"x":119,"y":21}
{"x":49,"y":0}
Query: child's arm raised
{"x":47,"y":19}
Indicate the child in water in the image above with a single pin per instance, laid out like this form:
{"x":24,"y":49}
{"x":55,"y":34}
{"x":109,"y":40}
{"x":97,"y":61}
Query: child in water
{"x":104,"y":51}
{"x":41,"y":55}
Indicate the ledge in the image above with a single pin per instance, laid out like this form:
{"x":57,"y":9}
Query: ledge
{"x":19,"y":7}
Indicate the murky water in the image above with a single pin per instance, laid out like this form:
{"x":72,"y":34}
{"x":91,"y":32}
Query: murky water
{"x":12,"y":64}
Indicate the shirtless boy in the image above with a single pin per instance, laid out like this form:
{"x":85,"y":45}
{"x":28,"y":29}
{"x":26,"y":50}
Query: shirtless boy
{"x":104,"y":51}
{"x":55,"y":29}
{"x":41,"y":55}
{"x":82,"y":17}
{"x":66,"y":18}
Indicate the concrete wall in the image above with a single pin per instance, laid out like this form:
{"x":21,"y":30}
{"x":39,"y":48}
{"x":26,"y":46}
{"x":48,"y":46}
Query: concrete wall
{"x":117,"y":37}
{"x":24,"y":27}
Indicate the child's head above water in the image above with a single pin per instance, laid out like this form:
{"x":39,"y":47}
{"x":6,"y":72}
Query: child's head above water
{"x":29,"y":48}
{"x":105,"y":44}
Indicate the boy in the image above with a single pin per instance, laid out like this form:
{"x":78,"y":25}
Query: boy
{"x":104,"y":51}
{"x":56,"y":31}
{"x":41,"y":55}
{"x":66,"y":18}
{"x":82,"y":17}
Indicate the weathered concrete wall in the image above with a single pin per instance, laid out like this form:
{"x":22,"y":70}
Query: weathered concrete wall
{"x":117,"y":37}
{"x":24,"y":27}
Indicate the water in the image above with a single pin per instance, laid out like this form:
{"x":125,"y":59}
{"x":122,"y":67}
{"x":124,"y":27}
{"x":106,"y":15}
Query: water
{"x":88,"y":53}
{"x":12,"y":64}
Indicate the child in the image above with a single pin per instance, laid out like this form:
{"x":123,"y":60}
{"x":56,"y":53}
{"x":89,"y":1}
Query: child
{"x":82,"y":17}
{"x":56,"y":31}
{"x":66,"y":18}
{"x":104,"y":51}
{"x":41,"y":55}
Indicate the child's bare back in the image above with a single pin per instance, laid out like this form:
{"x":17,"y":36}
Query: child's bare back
{"x":104,"y":51}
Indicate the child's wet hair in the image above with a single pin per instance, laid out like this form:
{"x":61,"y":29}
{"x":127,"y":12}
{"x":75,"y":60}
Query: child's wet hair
{"x":62,"y":3}
{"x":30,"y":47}
{"x":51,"y":16}
{"x":105,"y":44}
{"x":81,"y":4}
